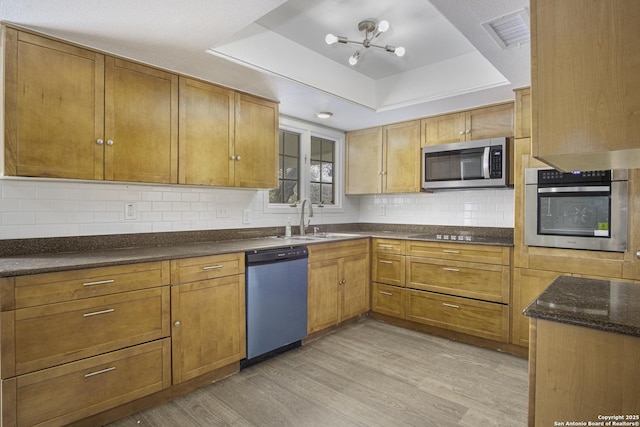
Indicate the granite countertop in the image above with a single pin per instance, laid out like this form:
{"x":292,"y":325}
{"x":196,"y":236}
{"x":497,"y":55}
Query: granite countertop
{"x":599,"y":304}
{"x":94,"y":255}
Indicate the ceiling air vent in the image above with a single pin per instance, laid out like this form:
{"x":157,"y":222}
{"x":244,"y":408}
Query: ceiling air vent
{"x":509,"y":30}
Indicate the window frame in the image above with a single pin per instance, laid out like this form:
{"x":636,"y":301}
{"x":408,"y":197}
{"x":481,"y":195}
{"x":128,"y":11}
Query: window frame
{"x":306,"y":131}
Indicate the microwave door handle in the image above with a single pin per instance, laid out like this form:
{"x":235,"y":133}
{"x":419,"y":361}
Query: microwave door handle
{"x":485,"y":163}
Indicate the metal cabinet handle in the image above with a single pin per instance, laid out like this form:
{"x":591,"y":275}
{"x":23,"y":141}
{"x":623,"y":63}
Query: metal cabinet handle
{"x":177,"y":324}
{"x":342,"y":282}
{"x":238,"y":158}
{"x":385,"y":246}
{"x":232,"y":157}
{"x":638,"y":254}
{"x":90,"y":374}
{"x":450,"y":305}
{"x":109,"y":142}
{"x":100,"y":141}
{"x":386,"y":293}
{"x":450,"y":251}
{"x":384,"y":261}
{"x":101,"y":282}
{"x":95,"y":313}
{"x":213,"y":267}
{"x":462,"y":132}
{"x":451,"y":269}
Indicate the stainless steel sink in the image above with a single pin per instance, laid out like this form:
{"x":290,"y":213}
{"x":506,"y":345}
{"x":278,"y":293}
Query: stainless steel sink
{"x":319,"y":236}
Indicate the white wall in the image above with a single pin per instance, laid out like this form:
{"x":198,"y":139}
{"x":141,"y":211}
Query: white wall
{"x":478,"y":208}
{"x":54,"y":208}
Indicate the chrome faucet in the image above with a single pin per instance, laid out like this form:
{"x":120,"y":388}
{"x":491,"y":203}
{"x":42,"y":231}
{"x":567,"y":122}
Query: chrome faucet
{"x":304,"y":202}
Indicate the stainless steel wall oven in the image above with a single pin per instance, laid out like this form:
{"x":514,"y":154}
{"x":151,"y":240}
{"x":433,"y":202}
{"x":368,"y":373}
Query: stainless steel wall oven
{"x":576,"y":210}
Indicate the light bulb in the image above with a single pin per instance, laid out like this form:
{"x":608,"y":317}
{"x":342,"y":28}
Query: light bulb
{"x":383,"y":26}
{"x":331,"y":39}
{"x":353,"y":59}
{"x":399,"y":51}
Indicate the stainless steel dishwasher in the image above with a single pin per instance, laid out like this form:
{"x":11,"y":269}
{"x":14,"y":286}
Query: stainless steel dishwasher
{"x":276,"y":295}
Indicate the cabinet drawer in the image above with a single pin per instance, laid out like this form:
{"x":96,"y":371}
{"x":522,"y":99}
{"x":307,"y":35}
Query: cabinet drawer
{"x":482,"y":281}
{"x":66,"y":393}
{"x":389,"y":246}
{"x":386,"y":268}
{"x":49,"y":288}
{"x":333,"y":250}
{"x":479,"y":318}
{"x":388,"y":300}
{"x":60,"y":333}
{"x":206,"y":267}
{"x":460,"y":252}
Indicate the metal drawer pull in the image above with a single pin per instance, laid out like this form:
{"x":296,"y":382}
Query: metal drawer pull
{"x":101,"y":282}
{"x":450,"y":269}
{"x":450,"y":305}
{"x":95,"y":313}
{"x":382,"y":261}
{"x":450,"y":251}
{"x":90,"y":374}
{"x":386,"y":293}
{"x":386,"y":246}
{"x":213,"y":267}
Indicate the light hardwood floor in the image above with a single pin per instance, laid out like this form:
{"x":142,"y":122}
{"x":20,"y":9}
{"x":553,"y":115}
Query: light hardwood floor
{"x":368,"y":374}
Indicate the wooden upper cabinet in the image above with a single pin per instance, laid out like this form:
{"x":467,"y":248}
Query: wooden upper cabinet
{"x":481,"y":123}
{"x":54,"y":108}
{"x":206,"y":133}
{"x":401,"y":158}
{"x":585,"y":85}
{"x":384,"y":159}
{"x":255,"y":155}
{"x":522,"y":128}
{"x":364,"y":161}
{"x":141,"y":124}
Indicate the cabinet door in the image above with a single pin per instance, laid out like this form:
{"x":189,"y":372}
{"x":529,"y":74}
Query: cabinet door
{"x":208,"y":330}
{"x":255,"y":162}
{"x":323,"y":299}
{"x":355,"y":286}
{"x":443,"y":129}
{"x":54,"y":100}
{"x":401,"y":158}
{"x":206,"y":133}
{"x":490,"y":122}
{"x":141,"y":123}
{"x":585,"y":90}
{"x":527,"y":285}
{"x":364,"y":161}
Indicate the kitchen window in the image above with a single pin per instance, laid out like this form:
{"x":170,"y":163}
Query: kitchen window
{"x":309,"y":167}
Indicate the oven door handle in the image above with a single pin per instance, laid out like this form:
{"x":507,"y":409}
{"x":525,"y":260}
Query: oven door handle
{"x":605,"y":189}
{"x":486,"y":173}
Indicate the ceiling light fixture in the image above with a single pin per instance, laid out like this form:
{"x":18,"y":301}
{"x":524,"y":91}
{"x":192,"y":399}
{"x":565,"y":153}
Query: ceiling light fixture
{"x":371,"y":29}
{"x":324,"y":114}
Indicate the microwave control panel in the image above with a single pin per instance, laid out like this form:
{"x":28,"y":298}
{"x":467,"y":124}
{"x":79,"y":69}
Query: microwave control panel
{"x":496,"y":160}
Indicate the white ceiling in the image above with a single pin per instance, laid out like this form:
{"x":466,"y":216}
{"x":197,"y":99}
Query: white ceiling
{"x":276,"y":49}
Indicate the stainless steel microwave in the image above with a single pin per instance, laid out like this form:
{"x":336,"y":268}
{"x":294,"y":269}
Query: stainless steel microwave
{"x":576,"y":210}
{"x":484,"y":163}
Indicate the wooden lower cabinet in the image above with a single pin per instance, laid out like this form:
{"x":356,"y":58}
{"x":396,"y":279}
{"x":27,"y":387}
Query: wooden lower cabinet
{"x":338,"y":283}
{"x":468,"y":316}
{"x":388,"y":300}
{"x":208,"y":316}
{"x":62,"y":394}
{"x":388,"y":268}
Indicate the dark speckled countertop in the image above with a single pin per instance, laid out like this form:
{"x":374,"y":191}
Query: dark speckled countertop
{"x":59,"y":254}
{"x":599,"y":304}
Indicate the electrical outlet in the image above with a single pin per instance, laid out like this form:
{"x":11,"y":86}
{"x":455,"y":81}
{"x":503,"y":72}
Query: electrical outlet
{"x":246,"y":216}
{"x":222,"y":212}
{"x":383,"y":210}
{"x":130,"y":211}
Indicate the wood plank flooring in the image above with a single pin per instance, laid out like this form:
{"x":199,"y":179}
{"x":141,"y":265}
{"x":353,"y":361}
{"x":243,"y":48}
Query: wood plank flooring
{"x":367,"y":374}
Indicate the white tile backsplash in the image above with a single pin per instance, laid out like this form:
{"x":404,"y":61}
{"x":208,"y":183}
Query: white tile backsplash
{"x":54,"y":208}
